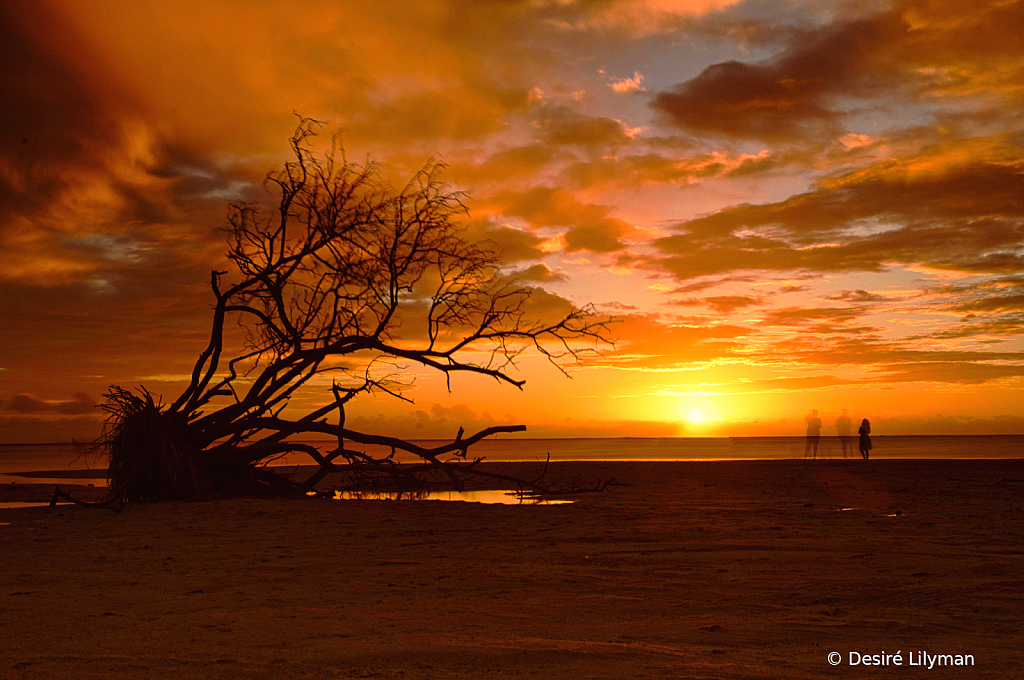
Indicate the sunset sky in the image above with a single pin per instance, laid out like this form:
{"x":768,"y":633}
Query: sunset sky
{"x":786,"y":204}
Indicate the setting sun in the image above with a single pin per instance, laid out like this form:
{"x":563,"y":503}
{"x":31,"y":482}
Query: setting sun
{"x":696,"y":415}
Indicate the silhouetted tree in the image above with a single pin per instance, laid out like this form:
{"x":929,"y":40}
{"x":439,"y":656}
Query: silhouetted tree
{"x":323,"y":285}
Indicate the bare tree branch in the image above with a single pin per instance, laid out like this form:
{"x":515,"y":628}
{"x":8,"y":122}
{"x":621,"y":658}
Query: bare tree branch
{"x":326,"y":283}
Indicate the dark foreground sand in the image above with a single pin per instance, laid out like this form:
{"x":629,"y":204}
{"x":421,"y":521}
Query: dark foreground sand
{"x":696,"y":570}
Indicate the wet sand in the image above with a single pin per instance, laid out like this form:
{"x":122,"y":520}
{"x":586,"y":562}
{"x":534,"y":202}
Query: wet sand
{"x":696,"y":570}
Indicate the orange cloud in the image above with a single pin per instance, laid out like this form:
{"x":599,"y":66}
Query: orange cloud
{"x":504,"y":165}
{"x":628,"y":85}
{"x":724,"y":304}
{"x":512,"y":245}
{"x":590,"y":226}
{"x":647,"y":343}
{"x":540,"y":273}
{"x":966,"y":218}
{"x":659,"y":168}
{"x":562,"y":126}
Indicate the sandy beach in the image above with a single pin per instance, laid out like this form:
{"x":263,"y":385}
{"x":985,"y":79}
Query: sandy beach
{"x":694,"y":570}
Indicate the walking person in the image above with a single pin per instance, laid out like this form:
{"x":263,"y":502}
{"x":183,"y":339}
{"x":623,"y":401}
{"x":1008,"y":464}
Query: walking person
{"x":844,"y":427}
{"x":865,"y":438}
{"x":813,"y":433}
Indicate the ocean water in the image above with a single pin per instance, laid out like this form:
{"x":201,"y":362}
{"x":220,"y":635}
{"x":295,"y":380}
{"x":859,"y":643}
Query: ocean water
{"x":15,"y":458}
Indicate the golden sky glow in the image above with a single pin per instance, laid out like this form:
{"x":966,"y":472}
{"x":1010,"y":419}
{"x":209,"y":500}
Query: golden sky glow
{"x":786,"y":205}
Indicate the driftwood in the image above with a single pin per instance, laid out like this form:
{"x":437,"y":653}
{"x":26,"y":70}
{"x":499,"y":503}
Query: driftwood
{"x":326,"y":285}
{"x":110,"y":503}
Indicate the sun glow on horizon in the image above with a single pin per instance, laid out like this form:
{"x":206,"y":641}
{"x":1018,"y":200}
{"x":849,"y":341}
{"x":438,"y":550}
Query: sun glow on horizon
{"x":697,"y":415}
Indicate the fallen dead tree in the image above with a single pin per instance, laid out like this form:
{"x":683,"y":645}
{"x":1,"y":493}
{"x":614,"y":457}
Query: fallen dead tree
{"x":325,"y":285}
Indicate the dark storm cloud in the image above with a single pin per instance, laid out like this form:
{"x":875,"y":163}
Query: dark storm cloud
{"x":66,"y":126}
{"x":907,"y":53}
{"x":86,"y":188}
{"x":50,"y":111}
{"x":790,"y":97}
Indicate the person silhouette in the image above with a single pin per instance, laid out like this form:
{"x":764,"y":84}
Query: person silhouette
{"x":865,"y":438}
{"x":844,"y":428}
{"x":813,"y":433}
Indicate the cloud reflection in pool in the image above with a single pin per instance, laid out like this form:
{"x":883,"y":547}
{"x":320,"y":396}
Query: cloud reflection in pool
{"x":499,"y":496}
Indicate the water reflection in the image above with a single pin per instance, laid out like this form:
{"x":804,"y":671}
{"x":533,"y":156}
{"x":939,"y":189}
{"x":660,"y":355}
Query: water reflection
{"x":27,"y":504}
{"x":496,"y":496}
{"x":6,"y":478}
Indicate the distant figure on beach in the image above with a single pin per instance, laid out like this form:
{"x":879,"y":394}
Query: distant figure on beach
{"x":813,"y":433}
{"x":865,"y":439}
{"x":844,"y":428}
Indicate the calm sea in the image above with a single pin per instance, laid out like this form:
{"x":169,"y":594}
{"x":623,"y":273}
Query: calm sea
{"x":16,"y":458}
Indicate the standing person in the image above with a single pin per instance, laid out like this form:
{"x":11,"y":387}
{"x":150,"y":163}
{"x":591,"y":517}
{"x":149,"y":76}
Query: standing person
{"x":813,"y":433}
{"x":844,"y":427}
{"x":865,"y":439}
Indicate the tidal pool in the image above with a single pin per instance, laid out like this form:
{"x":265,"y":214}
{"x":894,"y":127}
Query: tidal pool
{"x":498,"y":496}
{"x":27,"y":504}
